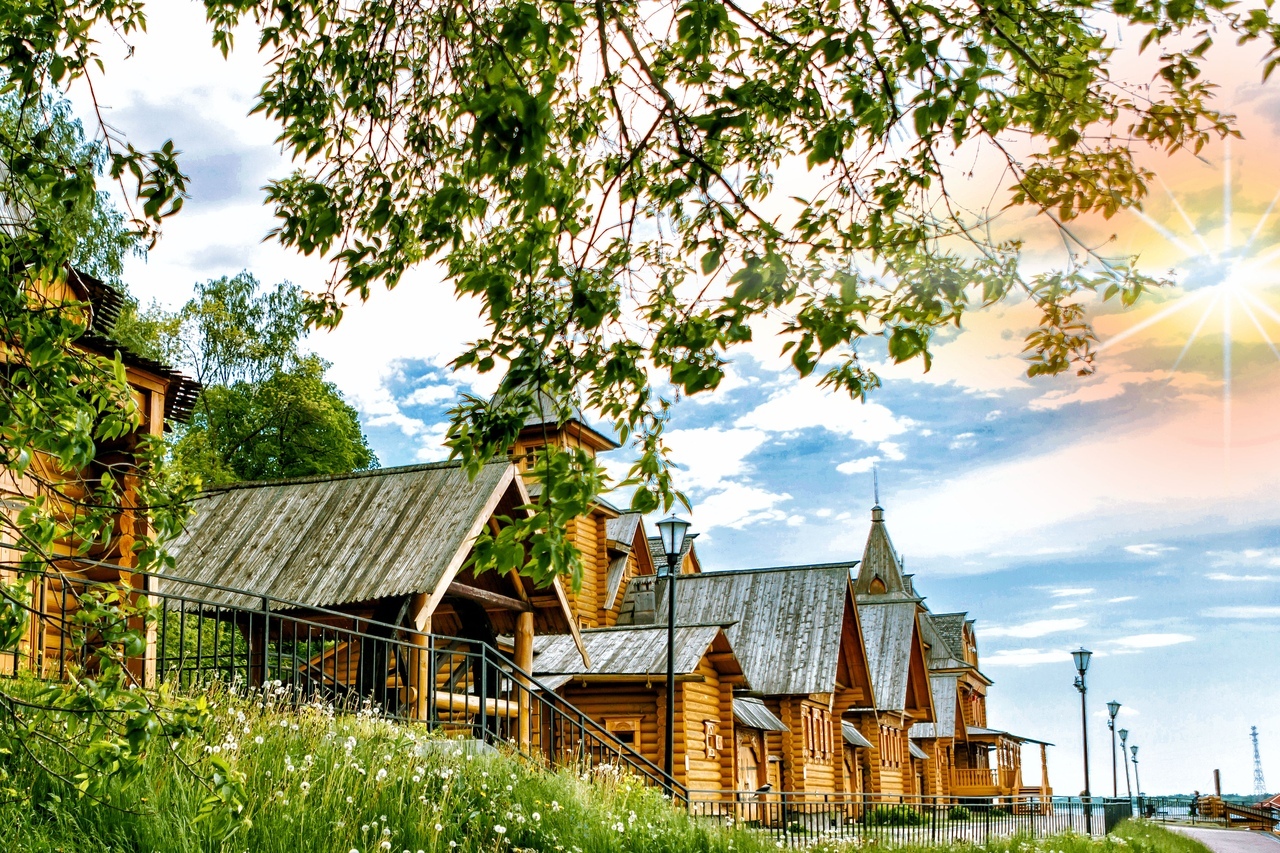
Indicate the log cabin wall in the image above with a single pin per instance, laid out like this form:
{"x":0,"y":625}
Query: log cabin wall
{"x":708,"y":736}
{"x":622,"y":708}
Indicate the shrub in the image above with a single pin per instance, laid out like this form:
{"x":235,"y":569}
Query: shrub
{"x":894,"y":816}
{"x":959,"y":813}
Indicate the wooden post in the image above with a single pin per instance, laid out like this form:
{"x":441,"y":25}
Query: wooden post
{"x":420,"y":668}
{"x":1044,"y":778}
{"x":1217,"y":783}
{"x":524,"y":660}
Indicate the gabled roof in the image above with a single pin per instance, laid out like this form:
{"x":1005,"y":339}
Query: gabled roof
{"x":951,"y":627}
{"x":945,"y":707}
{"x":895,"y":655}
{"x":940,"y":652}
{"x":631,"y":651}
{"x":880,"y":572}
{"x":626,"y":537}
{"x":549,"y":414}
{"x":658,"y":554}
{"x":326,"y":541}
{"x":786,"y":623}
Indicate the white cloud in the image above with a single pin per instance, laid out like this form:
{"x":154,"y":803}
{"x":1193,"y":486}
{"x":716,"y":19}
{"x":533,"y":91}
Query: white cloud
{"x":963,"y":441}
{"x":737,"y":506}
{"x":1229,"y":578}
{"x":858,"y":466}
{"x":1247,"y":557}
{"x":1036,"y":628}
{"x":1025,"y":657}
{"x":710,"y":457}
{"x":892,"y":451}
{"x":1070,"y":591}
{"x":1149,"y":549}
{"x":1255,"y":611}
{"x":1152,"y":641}
{"x":1071,"y":605}
{"x":1122,"y":598}
{"x":1107,"y":384}
{"x":803,"y":404}
{"x":430,"y":394}
{"x":823,"y":513}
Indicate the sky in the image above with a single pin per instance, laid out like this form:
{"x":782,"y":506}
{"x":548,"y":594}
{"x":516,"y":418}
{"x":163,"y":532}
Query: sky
{"x":1134,"y":511}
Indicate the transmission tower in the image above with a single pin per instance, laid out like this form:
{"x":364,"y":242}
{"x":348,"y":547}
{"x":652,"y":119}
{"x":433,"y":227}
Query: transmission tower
{"x":1259,"y":784}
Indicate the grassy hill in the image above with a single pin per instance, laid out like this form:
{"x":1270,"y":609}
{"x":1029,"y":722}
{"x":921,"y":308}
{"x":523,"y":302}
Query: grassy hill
{"x":319,"y":782}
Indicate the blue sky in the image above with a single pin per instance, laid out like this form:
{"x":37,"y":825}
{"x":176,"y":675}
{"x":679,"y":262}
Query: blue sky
{"x":1134,"y":512}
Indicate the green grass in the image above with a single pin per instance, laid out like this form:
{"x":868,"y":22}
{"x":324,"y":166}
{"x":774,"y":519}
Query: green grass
{"x":317,"y":782}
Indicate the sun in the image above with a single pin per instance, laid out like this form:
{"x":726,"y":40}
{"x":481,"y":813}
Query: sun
{"x":1220,"y":287}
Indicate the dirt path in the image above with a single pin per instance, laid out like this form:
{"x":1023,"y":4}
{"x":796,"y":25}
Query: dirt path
{"x":1232,"y":840}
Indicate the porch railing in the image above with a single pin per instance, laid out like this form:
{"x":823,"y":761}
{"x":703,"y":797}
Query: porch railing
{"x":463,"y":687}
{"x":807,"y":817}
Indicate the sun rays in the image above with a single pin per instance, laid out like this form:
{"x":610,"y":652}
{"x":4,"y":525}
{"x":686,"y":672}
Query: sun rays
{"x":1220,"y":289}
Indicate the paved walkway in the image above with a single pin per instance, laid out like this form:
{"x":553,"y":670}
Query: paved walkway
{"x":1232,"y":840}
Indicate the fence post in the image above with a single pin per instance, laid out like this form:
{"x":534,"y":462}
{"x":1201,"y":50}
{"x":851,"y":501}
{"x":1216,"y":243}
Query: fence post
{"x":258,"y":643}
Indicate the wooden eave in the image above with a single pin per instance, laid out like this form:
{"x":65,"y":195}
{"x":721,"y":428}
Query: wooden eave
{"x":853,"y":671}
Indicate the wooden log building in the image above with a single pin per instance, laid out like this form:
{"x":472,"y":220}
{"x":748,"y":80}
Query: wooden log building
{"x":162,"y":396}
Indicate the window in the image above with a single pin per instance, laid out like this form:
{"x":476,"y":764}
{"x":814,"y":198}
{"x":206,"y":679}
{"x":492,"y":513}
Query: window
{"x":625,"y":729}
{"x":817,"y":732}
{"x":712,"y":740}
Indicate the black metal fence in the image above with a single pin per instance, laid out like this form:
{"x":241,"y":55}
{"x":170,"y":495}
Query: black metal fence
{"x":204,"y":634}
{"x":802,"y":817}
{"x":1210,"y":811}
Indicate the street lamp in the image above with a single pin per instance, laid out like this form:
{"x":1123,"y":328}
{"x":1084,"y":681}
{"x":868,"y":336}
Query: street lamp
{"x":1137,"y":783}
{"x":672,"y":529}
{"x":1113,"y":708}
{"x":1081,"y":657}
{"x":1124,"y":736}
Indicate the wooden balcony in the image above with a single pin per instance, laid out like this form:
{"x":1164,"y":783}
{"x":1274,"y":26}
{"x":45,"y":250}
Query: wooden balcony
{"x":982,"y":781}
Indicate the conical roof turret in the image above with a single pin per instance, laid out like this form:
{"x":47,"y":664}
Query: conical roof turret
{"x":880,"y":572}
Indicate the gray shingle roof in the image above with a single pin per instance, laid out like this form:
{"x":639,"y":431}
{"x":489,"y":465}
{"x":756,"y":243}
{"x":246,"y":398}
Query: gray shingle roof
{"x":635,"y":650}
{"x":786,"y":622}
{"x":659,"y":554}
{"x":752,"y":713}
{"x":324,"y":541}
{"x":852,"y":736}
{"x":951,"y":627}
{"x":944,"y":707}
{"x":887,"y":629}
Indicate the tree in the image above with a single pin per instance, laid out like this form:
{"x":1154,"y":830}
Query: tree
{"x":603,"y":177}
{"x":291,"y":424}
{"x":266,"y":410}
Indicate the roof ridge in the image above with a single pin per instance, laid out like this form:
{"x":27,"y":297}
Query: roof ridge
{"x":350,"y":475}
{"x":807,"y":567}
{"x":662,"y":627}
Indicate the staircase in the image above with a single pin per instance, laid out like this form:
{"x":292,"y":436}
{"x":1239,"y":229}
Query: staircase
{"x":461,"y":687}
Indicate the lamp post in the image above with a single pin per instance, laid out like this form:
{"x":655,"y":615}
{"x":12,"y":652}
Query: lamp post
{"x":672,"y":530}
{"x":1124,"y":736}
{"x":1113,"y":708}
{"x":1137,"y":783}
{"x":1081,"y":657}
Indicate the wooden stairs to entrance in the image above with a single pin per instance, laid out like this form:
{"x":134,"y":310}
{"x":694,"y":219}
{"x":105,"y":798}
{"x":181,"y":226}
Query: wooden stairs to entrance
{"x":1244,"y":817}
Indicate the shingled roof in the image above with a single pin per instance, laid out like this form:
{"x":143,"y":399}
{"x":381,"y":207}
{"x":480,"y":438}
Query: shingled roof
{"x":326,"y":541}
{"x":944,"y":707}
{"x":634,"y":650}
{"x":880,"y":572}
{"x":951,"y":627}
{"x":659,"y":554}
{"x":786,"y":622}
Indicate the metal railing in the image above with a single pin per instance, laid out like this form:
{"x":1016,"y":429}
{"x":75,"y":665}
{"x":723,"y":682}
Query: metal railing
{"x":204,"y":634}
{"x":1206,"y":810}
{"x":806,"y":817}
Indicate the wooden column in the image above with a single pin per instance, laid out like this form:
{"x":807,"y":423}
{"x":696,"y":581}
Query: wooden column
{"x":524,"y":660}
{"x":420,"y":665}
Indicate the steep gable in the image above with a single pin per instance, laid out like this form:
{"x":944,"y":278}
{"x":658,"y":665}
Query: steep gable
{"x":880,"y":572}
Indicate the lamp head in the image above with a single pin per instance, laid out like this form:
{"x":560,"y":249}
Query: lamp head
{"x":1133,"y":750}
{"x":1124,"y":735}
{"x":1081,"y":657}
{"x":1113,"y":708}
{"x":672,"y":529}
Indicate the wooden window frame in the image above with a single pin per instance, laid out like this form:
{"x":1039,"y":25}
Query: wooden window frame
{"x":616,"y":725}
